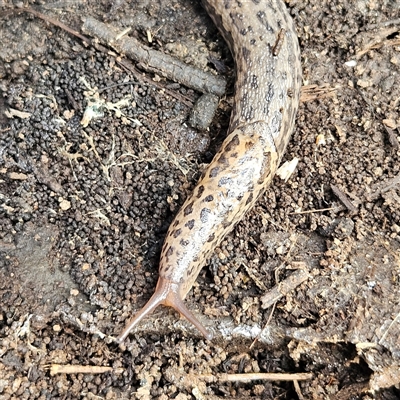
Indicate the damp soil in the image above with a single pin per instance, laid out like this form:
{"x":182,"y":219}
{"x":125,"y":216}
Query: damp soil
{"x":84,"y":209}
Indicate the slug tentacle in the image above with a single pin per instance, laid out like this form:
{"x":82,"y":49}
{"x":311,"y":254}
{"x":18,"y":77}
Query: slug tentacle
{"x":168,"y":294}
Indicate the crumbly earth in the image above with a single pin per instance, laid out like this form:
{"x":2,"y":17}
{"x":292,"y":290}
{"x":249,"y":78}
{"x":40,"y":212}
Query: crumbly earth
{"x":84,"y":211}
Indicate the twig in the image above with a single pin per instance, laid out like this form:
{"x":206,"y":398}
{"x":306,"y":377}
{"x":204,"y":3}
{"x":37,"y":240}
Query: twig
{"x":265,"y":326}
{"x":343,"y":198}
{"x":389,"y":327}
{"x":298,"y":390}
{"x":302,"y":376}
{"x":155,"y":61}
{"x":81,"y":369}
{"x":313,"y":211}
{"x":285,"y":287}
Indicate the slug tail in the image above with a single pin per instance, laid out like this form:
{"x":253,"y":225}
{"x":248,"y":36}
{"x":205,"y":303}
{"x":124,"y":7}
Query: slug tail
{"x":147,"y":309}
{"x":166,"y":293}
{"x":175,"y":301}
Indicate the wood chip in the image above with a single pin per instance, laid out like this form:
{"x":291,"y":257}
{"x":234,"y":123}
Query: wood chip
{"x":18,"y":176}
{"x":285,"y":287}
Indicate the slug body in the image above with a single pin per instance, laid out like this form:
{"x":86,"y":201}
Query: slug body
{"x":263,"y":41}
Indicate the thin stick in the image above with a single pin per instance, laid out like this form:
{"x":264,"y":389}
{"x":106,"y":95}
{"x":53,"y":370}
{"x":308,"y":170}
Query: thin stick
{"x":257,"y":376}
{"x":313,"y":211}
{"x":265,"y":326}
{"x":343,"y":198}
{"x":80,"y":369}
{"x":387,"y":330}
{"x":155,"y":61}
{"x":298,"y":390}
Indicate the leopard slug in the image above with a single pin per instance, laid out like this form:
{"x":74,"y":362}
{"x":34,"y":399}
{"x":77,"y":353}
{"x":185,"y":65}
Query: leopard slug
{"x":264,"y":45}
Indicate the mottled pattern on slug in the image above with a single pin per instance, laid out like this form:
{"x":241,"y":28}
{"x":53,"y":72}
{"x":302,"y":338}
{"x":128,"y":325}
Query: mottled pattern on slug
{"x":266,"y":100}
{"x":227,"y":189}
{"x":262,"y":38}
{"x":267,"y":86}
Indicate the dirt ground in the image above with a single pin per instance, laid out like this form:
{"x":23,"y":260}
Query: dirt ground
{"x":308,"y":282}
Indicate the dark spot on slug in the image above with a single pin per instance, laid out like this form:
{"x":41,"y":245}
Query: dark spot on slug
{"x":204,"y":213}
{"x":227,"y":4}
{"x":200,"y":191}
{"x":167,"y":268}
{"x":177,"y":232}
{"x":188,"y":209}
{"x":244,"y":100}
{"x":270,"y":93}
{"x":214,"y":172}
{"x":184,"y":242}
{"x":233,"y":143}
{"x":233,"y":155}
{"x":190,"y":224}
{"x":253,"y":42}
{"x":249,"y":145}
{"x":222,"y":160}
{"x":209,"y":198}
{"x":240,"y":197}
{"x":211,"y":237}
{"x":249,"y":199}
{"x":169,"y":252}
{"x":246,"y":53}
{"x":254,"y":82}
{"x":265,"y":177}
{"x":262,"y":17}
